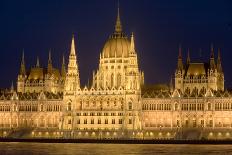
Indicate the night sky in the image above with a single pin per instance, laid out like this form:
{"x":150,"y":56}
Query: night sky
{"x":159,"y":27}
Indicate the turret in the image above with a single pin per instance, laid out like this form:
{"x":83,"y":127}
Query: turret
{"x":132,"y":44}
{"x":212,"y":61}
{"x":72,"y":82}
{"x":37,"y":63}
{"x":219,"y":64}
{"x":118,"y":25}
{"x":22,"y":67}
{"x":63,"y":69}
{"x":188,"y":58}
{"x":179,"y":61}
{"x":220,"y":75}
{"x":49,"y":62}
{"x":180,"y":71}
{"x":12,"y":87}
{"x":22,"y":75}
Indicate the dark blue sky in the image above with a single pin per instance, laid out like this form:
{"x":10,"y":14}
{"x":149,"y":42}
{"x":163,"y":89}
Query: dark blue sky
{"x":159,"y":26}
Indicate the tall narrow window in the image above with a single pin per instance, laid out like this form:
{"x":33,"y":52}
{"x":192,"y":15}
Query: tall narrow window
{"x":118,"y":80}
{"x":69,"y":107}
{"x":112,"y":80}
{"x":130,"y":106}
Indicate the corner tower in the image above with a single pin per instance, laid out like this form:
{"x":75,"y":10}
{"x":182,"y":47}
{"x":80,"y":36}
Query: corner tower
{"x":72,"y":81}
{"x":72,"y":85}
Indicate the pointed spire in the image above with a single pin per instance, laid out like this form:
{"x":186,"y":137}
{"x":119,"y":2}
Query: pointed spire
{"x":180,"y":52}
{"x":49,"y":57}
{"x":72,"y":80}
{"x":180,"y":63}
{"x":23,"y":68}
{"x":73,"y":52}
{"x":12,"y":87}
{"x":212,"y":51}
{"x":188,"y":57}
{"x":171,"y":85}
{"x":219,"y":63}
{"x":49,"y":62}
{"x":118,"y":26}
{"x":37,"y":62}
{"x":212,"y":61}
{"x":63,"y":70}
{"x":132,"y":45}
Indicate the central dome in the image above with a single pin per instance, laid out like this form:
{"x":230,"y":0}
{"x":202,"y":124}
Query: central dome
{"x":116,"y":47}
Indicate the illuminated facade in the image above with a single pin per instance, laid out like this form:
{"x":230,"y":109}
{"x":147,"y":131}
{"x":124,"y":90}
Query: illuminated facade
{"x":51,"y":103}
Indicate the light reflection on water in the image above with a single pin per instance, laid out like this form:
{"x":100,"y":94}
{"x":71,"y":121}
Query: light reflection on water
{"x":112,"y":149}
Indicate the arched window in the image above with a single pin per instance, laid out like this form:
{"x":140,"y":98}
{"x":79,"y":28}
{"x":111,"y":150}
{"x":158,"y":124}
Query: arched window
{"x":112,"y":80}
{"x":41,"y":107}
{"x":69,"y":106}
{"x":118,"y":80}
{"x":130,"y":106}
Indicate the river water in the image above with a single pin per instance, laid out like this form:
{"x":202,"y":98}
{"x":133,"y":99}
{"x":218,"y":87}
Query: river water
{"x":111,"y":149}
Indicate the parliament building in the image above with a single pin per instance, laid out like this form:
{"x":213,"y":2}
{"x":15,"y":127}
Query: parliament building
{"x":50,"y":103}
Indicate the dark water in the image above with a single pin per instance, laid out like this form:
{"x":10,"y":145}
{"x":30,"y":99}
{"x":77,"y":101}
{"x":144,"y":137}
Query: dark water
{"x":112,"y":149}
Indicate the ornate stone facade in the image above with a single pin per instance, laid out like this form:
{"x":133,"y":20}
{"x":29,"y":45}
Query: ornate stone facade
{"x":48,"y":103}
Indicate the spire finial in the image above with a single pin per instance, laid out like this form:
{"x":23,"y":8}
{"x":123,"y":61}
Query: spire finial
{"x":132,"y":46}
{"x":12,"y":86}
{"x":179,"y":62}
{"x":171,"y":84}
{"x":63,"y":60}
{"x":49,"y":57}
{"x":118,"y":26}
{"x":219,"y":63}
{"x":63,"y":70}
{"x":23,"y":61}
{"x":212,"y":51}
{"x":49,"y":62}
{"x":23,"y":68}
{"x":37,"y":62}
{"x":212,"y":61}
{"x":73,"y":52}
{"x":188,"y":57}
{"x":180,"y":52}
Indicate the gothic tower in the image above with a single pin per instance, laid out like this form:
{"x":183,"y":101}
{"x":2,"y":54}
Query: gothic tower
{"x":179,"y":71}
{"x":22,"y":76}
{"x":72,"y":85}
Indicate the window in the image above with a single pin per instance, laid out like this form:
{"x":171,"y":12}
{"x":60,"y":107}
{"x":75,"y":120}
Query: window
{"x":209,"y":106}
{"x":176,"y":106}
{"x":113,"y":121}
{"x":92,"y":121}
{"x":130,"y":121}
{"x":130,"y":106}
{"x":211,"y":123}
{"x":85,"y":121}
{"x":112,"y":114}
{"x":118,"y":80}
{"x":202,"y":123}
{"x":120,"y":121}
{"x":99,"y":121}
{"x":112,"y":80}
{"x":69,"y":107}
{"x":78,"y":121}
{"x":106,"y":121}
{"x":69,"y":121}
{"x":178,"y":123}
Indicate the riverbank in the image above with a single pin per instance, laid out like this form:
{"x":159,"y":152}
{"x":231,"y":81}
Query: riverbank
{"x":118,"y":141}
